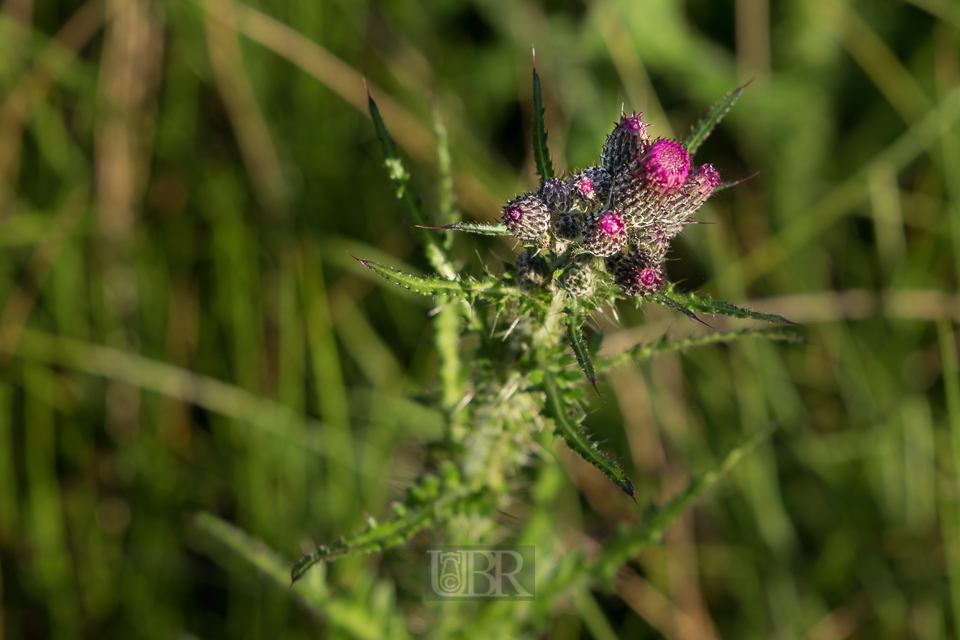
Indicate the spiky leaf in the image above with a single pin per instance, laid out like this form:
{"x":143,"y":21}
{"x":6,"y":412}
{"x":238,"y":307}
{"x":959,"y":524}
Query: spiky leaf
{"x":489,"y":287}
{"x":572,"y":432}
{"x":705,"y":304}
{"x":540,"y":151}
{"x":406,"y":194}
{"x":628,"y":542}
{"x":475,"y":227}
{"x":575,"y":319}
{"x":717,"y":112}
{"x":390,"y":533}
{"x":645,"y":351}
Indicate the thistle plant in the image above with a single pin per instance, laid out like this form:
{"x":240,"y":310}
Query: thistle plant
{"x":589,"y":241}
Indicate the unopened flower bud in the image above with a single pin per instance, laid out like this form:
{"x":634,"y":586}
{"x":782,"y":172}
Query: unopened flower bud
{"x":604,"y":233}
{"x":567,"y":227}
{"x":578,"y":280}
{"x":557,"y":195}
{"x":624,"y":141}
{"x":526,"y":217}
{"x":531,"y":269}
{"x":591,"y":186}
{"x":638,"y":274}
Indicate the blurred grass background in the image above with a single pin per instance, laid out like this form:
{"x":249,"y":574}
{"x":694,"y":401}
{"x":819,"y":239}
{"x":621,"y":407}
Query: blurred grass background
{"x":182,"y":328}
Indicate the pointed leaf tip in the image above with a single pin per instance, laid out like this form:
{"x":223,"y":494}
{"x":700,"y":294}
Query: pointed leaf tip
{"x":702,"y":130}
{"x":365,"y":263}
{"x":541,"y":153}
{"x":705,"y":304}
{"x":733,"y":183}
{"x":577,"y":438}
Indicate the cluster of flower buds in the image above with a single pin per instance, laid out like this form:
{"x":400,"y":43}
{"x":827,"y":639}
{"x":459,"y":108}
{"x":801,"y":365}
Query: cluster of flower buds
{"x":626,"y":209}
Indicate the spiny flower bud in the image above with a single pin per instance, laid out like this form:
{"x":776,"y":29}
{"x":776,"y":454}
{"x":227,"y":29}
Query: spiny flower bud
{"x":578,"y":280}
{"x":665,"y":165}
{"x":653,"y":241}
{"x":625,"y":139}
{"x":591,"y":186}
{"x":531,"y":269}
{"x":604,"y":233}
{"x":526,"y":217}
{"x":638,"y":274}
{"x":567,"y":227}
{"x":699,"y":186}
{"x":557,"y":195}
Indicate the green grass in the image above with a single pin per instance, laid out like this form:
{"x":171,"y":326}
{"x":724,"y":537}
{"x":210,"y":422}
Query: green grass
{"x":183,"y":330}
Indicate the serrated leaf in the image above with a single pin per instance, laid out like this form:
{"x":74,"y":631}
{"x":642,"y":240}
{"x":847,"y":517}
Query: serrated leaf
{"x":645,"y":351}
{"x":706,"y":304}
{"x":577,"y":439}
{"x":717,"y":112}
{"x":541,"y":153}
{"x":405,"y":193}
{"x":489,"y":287}
{"x":474,"y":227}
{"x":380,"y":536}
{"x":626,"y":543}
{"x":575,"y":319}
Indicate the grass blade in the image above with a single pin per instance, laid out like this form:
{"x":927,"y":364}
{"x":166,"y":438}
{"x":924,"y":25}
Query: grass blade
{"x":490,"y":287}
{"x":447,"y":198}
{"x":702,"y":130}
{"x":577,"y":439}
{"x":250,"y":549}
{"x":540,"y":151}
{"x":705,"y":304}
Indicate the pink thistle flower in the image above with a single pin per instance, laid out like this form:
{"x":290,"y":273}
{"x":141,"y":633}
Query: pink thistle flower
{"x":665,"y":166}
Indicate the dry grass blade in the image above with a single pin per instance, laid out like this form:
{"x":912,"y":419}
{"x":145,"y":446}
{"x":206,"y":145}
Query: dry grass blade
{"x":347,"y":83}
{"x":26,"y":96}
{"x":253,"y":134}
{"x":847,"y":195}
{"x":21,"y":300}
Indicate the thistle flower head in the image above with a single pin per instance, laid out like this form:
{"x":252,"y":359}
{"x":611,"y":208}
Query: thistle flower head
{"x":604,"y":233}
{"x":665,"y":166}
{"x":639,"y":274}
{"x":526,"y":217}
{"x":531,"y":269}
{"x":706,"y":178}
{"x":627,"y":137}
{"x":557,"y":195}
{"x":567,"y":227}
{"x":591,"y":186}
{"x":578,"y":280}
